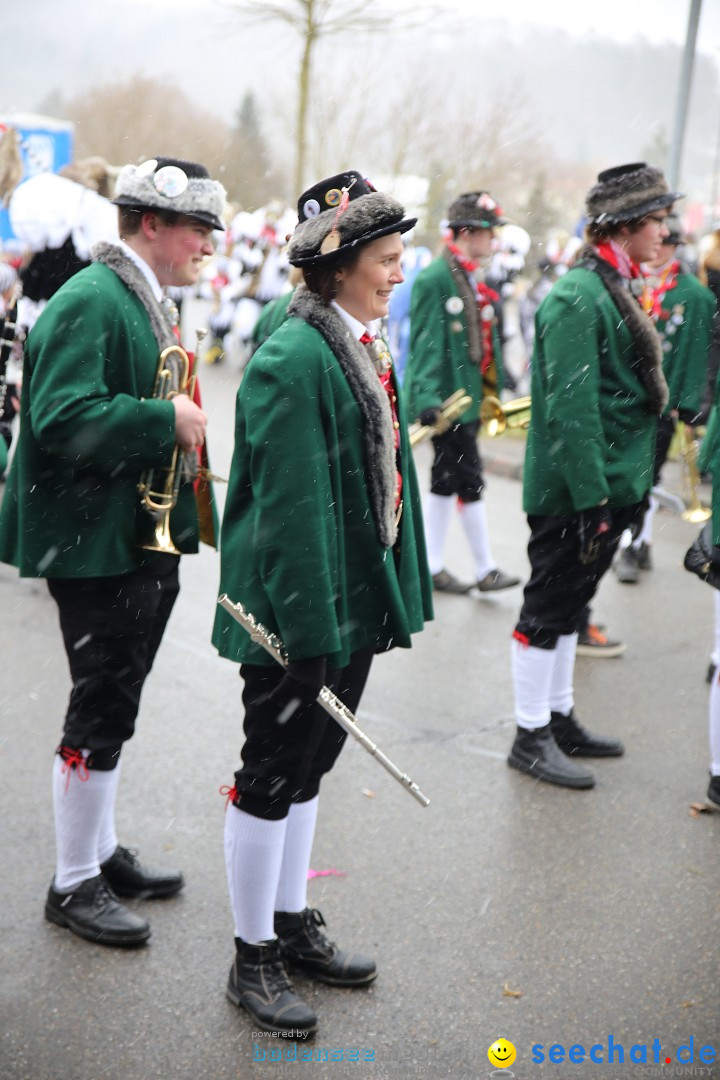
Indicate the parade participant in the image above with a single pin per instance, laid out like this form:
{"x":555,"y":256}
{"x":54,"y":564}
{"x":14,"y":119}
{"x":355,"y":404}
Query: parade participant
{"x":709,"y":570}
{"x":322,"y":542}
{"x":597,"y":391}
{"x":91,"y":427}
{"x":454,"y":345}
{"x":9,"y":368}
{"x":683,"y":311}
{"x":59,"y":217}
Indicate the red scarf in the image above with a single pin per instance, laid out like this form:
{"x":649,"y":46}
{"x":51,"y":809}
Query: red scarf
{"x":619,"y":258}
{"x":621,"y":261}
{"x":486,"y":298}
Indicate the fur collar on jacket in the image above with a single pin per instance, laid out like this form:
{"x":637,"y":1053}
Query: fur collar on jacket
{"x":358,"y":369}
{"x":647,"y":358}
{"x":469,"y":299}
{"x":129,"y":272}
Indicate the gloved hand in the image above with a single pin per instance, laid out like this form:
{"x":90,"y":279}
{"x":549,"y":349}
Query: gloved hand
{"x":298,"y":688}
{"x":593,"y":524}
{"x":703,"y":557}
{"x":429,"y":417}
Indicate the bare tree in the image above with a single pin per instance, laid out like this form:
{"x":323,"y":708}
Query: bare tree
{"x":314,"y":20}
{"x":136,"y":118}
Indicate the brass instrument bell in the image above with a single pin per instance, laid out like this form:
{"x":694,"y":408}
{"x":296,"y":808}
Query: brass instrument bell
{"x":497,"y":416}
{"x":695,"y":512}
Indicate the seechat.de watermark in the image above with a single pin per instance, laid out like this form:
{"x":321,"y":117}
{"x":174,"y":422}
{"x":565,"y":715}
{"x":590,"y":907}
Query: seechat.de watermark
{"x":612,"y":1052}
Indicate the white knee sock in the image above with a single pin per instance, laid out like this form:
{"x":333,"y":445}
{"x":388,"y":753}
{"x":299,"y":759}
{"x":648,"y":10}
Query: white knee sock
{"x":437,"y":512}
{"x":714,"y":716}
{"x":79,"y":809}
{"x":561,"y":688}
{"x":473,"y":518}
{"x":715,"y":654}
{"x":292,"y":887}
{"x":253,"y":857}
{"x":646,"y":532}
{"x":532,"y":671}
{"x":107,"y":838}
{"x":625,"y":540}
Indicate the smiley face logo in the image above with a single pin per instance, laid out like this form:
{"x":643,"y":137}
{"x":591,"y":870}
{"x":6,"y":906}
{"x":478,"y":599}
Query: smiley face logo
{"x":501,"y":1054}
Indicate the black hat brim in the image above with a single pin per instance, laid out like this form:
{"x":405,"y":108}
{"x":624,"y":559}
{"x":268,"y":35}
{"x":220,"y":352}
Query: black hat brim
{"x":466,"y":223}
{"x":635,"y":213}
{"x":321,"y":259}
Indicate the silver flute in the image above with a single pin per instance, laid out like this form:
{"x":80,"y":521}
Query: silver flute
{"x":326,"y":699}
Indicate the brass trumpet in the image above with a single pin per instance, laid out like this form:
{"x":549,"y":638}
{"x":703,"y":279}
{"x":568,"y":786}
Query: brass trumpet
{"x":450,"y":409}
{"x":496,"y":416}
{"x":696,"y":512}
{"x":160,"y":496}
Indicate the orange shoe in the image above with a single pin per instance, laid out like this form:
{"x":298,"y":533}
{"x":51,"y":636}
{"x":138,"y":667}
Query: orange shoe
{"x":595,"y":643}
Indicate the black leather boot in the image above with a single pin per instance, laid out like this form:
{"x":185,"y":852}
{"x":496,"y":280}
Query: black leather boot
{"x":127,"y":877}
{"x":259,"y":984}
{"x":574,"y":740}
{"x":92,"y":911}
{"x":305,"y":947}
{"x":713,"y":792}
{"x":537,"y":753}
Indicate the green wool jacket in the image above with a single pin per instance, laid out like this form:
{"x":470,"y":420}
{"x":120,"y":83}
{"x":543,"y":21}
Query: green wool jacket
{"x":591,"y":436}
{"x":709,"y":459}
{"x":439,"y":360}
{"x":685,"y":326}
{"x":299,"y":546}
{"x":272,"y":315}
{"x":89,"y":426}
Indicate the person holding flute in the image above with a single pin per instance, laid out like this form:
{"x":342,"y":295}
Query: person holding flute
{"x":322,"y":541}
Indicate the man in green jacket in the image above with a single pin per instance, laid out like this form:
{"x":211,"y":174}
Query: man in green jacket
{"x":95,"y":421}
{"x":683,"y":311}
{"x":454,"y":345}
{"x":597,"y":391}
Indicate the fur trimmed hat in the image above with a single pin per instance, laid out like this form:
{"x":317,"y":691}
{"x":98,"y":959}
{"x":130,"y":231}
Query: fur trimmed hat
{"x":628,"y":193}
{"x":165,"y":183}
{"x":475,"y":210}
{"x":340,"y":213}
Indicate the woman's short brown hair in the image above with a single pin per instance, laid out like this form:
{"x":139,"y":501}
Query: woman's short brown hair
{"x":600,"y":234}
{"x":321,"y":279}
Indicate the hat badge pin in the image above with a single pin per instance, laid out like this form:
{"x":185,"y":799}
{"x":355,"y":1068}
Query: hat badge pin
{"x":170,"y":181}
{"x":311,"y":208}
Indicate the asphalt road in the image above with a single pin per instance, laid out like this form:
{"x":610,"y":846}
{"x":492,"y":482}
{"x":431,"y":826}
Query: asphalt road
{"x":506,"y":909}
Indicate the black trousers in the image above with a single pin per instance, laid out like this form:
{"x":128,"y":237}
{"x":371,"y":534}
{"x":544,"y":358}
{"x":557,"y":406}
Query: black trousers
{"x":112,"y":628}
{"x":457,"y":465}
{"x":560,"y":585}
{"x":665,"y":432}
{"x":283,"y":763}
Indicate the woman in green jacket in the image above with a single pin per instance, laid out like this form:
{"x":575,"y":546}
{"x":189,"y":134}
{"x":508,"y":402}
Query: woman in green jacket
{"x":322,"y":541}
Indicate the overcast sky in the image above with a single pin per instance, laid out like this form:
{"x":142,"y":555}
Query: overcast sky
{"x":67,"y":46}
{"x":622,"y":20}
{"x":658,"y":20}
